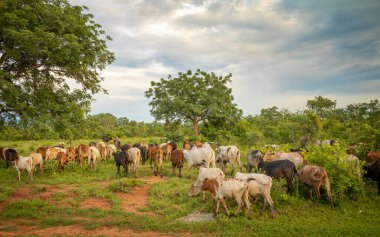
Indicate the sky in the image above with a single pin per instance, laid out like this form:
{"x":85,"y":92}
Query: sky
{"x":280,"y":53}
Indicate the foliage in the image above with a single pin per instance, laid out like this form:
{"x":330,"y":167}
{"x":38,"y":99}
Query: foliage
{"x":193,"y":98}
{"x":343,"y":176}
{"x":45,"y":46}
{"x":124,"y":185}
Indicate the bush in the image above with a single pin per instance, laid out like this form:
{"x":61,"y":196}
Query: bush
{"x":344,"y":180}
{"x":124,"y":185}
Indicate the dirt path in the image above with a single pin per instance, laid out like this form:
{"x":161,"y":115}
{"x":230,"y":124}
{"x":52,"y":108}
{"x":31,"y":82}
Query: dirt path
{"x":134,"y":202}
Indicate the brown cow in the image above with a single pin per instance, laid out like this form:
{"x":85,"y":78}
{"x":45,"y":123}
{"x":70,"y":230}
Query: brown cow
{"x":2,"y":154}
{"x":82,"y":153}
{"x":42,"y":151}
{"x":62,"y":160}
{"x":372,"y":156}
{"x":52,"y":152}
{"x":71,"y":153}
{"x":177,"y":160}
{"x":156,"y":157}
{"x":315,"y":176}
{"x":103,"y":152}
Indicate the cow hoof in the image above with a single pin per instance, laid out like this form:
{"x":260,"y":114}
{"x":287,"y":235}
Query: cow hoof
{"x":161,"y":176}
{"x":232,"y":216}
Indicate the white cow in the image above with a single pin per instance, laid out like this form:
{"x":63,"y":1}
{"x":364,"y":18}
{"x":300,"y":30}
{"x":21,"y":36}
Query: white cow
{"x":210,"y":173}
{"x":93,"y":155}
{"x":197,"y":157}
{"x":229,"y":154}
{"x":37,"y":160}
{"x":258,"y":185}
{"x":135,"y":154}
{"x":24,"y":163}
{"x":228,"y":188}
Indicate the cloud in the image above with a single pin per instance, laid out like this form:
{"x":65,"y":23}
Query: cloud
{"x":281,"y":53}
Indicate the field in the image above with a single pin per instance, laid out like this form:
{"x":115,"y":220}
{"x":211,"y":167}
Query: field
{"x":79,"y":201}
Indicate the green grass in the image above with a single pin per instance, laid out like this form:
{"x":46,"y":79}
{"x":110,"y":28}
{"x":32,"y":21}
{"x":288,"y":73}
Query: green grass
{"x":124,"y":185}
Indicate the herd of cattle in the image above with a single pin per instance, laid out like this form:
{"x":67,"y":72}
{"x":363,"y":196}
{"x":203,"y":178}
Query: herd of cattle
{"x":272,"y":164}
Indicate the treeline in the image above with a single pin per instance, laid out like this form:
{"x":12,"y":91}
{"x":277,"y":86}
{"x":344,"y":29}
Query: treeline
{"x":319,"y":120}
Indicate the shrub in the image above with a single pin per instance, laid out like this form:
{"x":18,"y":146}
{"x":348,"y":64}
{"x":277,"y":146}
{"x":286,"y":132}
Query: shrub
{"x":124,"y":185}
{"x":344,"y":180}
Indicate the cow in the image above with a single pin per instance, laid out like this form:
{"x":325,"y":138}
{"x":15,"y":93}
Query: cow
{"x":258,"y":185}
{"x":117,"y":143}
{"x":372,"y":156}
{"x":71,"y":153}
{"x":228,"y":188}
{"x":314,"y":177}
{"x":277,"y":169}
{"x":62,"y":160}
{"x":93,"y":156}
{"x":103,"y":153}
{"x":228,"y":154}
{"x":51,"y":153}
{"x":177,"y":159}
{"x":252,"y":156}
{"x":24,"y":163}
{"x":372,"y":171}
{"x":353,"y":148}
{"x":354,"y":164}
{"x":187,"y":144}
{"x":200,"y":156}
{"x":125,"y":147}
{"x":166,"y":149}
{"x":291,"y":156}
{"x":122,"y":159}
{"x":10,"y":155}
{"x":135,"y":155}
{"x":144,"y":151}
{"x":156,"y":159}
{"x":111,"y":150}
{"x":211,"y":173}
{"x":82,"y":153}
{"x":42,"y":151}
{"x":37,"y":160}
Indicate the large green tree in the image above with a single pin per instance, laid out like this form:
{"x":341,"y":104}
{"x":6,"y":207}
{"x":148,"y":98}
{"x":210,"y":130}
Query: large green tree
{"x":193,"y":97}
{"x":46,"y":47}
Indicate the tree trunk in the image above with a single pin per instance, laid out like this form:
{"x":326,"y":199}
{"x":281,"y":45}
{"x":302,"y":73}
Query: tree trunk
{"x":195,"y":125}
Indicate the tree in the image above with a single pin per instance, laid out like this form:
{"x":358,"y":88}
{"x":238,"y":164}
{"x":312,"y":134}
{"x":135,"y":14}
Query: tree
{"x":44,"y":46}
{"x":321,"y":106}
{"x":193,"y":97}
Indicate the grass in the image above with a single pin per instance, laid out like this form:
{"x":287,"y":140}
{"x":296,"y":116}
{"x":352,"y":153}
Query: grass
{"x":296,"y":214}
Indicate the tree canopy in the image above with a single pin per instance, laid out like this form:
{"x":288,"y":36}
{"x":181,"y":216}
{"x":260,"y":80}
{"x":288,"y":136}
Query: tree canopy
{"x":46,"y":46}
{"x":193,"y":97}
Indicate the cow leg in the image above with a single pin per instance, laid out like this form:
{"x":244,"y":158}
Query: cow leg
{"x":30,"y":175}
{"x":180,"y":175}
{"x":19,"y":175}
{"x":224,"y":205}
{"x":240,"y":204}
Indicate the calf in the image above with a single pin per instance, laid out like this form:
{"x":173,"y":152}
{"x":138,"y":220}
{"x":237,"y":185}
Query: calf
{"x":37,"y":160}
{"x":258,"y":185}
{"x":372,"y":171}
{"x":177,"y":160}
{"x":122,"y":159}
{"x":24,"y":163}
{"x":228,"y":188}
{"x":210,"y":173}
{"x":315,"y":176}
{"x":62,"y":160}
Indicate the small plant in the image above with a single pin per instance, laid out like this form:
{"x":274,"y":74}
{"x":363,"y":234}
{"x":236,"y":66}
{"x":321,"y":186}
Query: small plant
{"x":124,"y":185}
